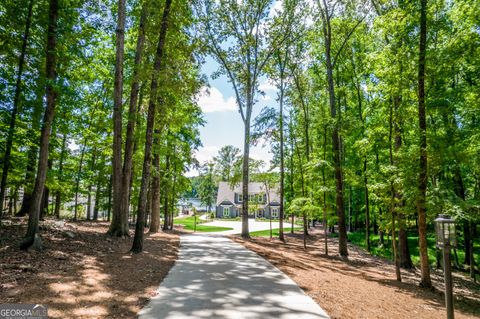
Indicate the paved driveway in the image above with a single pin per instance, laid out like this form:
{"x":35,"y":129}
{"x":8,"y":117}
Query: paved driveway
{"x":215,"y":277}
{"x":252,"y":226}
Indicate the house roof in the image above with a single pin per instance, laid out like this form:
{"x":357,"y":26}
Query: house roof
{"x":227,"y":193}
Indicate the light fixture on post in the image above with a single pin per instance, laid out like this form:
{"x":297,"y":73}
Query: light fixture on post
{"x":445,"y":236}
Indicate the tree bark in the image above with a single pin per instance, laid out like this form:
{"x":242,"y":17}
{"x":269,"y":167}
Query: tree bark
{"x":16,"y":102}
{"x":137,"y":246}
{"x":281,"y":235}
{"x":51,"y":94}
{"x":393,"y":194}
{"x":58,"y":193}
{"x":89,"y":197}
{"x":339,"y":203}
{"x":134,"y":106}
{"x":422,"y":180}
{"x":166,"y":216}
{"x":245,"y":173}
{"x":155,"y":195}
{"x":119,"y":224}
{"x":109,"y":205}
{"x":97,"y":200}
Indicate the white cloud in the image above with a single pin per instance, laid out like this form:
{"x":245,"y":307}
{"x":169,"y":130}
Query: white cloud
{"x":206,"y":153}
{"x":267,"y":86}
{"x":212,"y":100}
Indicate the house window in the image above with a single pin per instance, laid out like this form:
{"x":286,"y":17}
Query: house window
{"x":239,"y":198}
{"x":260,"y":213}
{"x":226,"y":211}
{"x":274,"y":212}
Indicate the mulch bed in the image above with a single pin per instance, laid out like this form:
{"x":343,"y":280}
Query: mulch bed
{"x":82,"y":272}
{"x":362,"y":286}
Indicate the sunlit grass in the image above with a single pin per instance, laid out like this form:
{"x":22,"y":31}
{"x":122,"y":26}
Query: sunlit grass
{"x":189,"y":224}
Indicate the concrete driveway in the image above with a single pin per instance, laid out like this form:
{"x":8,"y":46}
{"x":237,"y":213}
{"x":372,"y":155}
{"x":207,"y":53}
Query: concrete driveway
{"x":215,"y":277}
{"x":252,"y":226}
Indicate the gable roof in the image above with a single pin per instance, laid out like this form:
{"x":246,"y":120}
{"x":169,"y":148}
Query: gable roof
{"x":227,"y":193}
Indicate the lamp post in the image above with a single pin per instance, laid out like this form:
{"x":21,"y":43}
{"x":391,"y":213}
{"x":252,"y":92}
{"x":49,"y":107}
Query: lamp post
{"x":445,"y":235}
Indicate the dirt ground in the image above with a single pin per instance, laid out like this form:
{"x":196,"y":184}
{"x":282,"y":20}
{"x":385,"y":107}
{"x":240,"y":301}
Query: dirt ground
{"x":82,"y":272}
{"x":363,"y":286}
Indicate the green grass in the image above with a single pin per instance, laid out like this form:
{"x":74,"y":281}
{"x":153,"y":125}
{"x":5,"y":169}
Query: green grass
{"x":358,"y":238}
{"x":266,"y":233}
{"x":188,"y":223}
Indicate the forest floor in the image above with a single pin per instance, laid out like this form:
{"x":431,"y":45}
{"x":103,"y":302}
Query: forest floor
{"x":82,"y":272}
{"x":362,"y":286}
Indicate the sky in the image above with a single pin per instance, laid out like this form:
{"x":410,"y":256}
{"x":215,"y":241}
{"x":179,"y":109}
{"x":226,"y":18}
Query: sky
{"x":224,"y":125}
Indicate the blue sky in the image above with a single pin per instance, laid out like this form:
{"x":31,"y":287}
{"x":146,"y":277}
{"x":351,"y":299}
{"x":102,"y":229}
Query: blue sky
{"x":224,"y":125}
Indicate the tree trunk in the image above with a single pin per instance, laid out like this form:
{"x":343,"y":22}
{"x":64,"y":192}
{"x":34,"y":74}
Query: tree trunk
{"x":45,"y":196}
{"x":97,"y":200}
{"x":166,"y":216}
{"x":422,"y":181}
{"x":16,"y":102}
{"x":51,"y":96}
{"x":109,"y":205}
{"x":325,"y":221}
{"x":137,"y":246}
{"x":133,"y":110}
{"x":118,"y":226}
{"x":155,"y":197}
{"x":342,"y":231}
{"x":393,"y":194}
{"x":281,"y":235}
{"x":381,"y":232}
{"x":58,"y":193}
{"x":470,"y":252}
{"x":246,"y":157}
{"x":367,"y":206}
{"x":89,"y":197}
{"x":396,"y":256}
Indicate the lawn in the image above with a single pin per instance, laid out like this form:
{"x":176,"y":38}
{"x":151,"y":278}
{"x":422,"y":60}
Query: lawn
{"x":358,"y":238}
{"x":188,"y":222}
{"x":266,"y":233}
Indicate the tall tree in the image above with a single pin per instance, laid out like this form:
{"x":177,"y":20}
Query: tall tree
{"x":118,"y":226}
{"x":240,"y":38}
{"x":422,"y":125}
{"x":133,"y":114}
{"x":16,"y":102}
{"x":51,"y":96}
{"x":326,"y":13}
{"x":137,"y":246}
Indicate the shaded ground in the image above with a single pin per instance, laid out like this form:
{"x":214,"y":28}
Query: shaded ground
{"x":363,"y":286}
{"x":83,"y":273}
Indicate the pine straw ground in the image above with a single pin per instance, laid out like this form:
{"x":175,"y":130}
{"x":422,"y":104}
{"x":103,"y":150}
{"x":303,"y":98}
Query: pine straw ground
{"x":88,"y":276}
{"x":363,"y":286}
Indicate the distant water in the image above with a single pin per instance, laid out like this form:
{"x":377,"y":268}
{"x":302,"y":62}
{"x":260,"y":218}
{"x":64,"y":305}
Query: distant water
{"x":193,"y":202}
